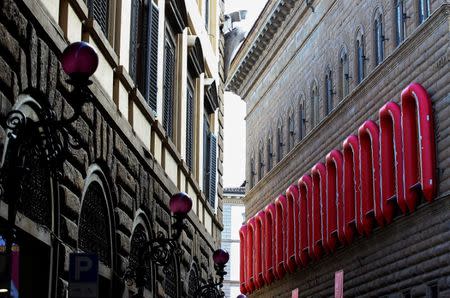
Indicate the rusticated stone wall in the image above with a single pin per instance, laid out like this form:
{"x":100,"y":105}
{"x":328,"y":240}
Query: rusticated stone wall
{"x":29,"y":49}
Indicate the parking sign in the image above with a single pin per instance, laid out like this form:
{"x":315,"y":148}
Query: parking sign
{"x":83,"y":275}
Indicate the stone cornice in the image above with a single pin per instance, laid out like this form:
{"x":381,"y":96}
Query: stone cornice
{"x":259,"y":38}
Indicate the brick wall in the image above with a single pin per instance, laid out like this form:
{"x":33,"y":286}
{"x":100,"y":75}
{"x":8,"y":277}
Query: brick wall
{"x":410,"y":256}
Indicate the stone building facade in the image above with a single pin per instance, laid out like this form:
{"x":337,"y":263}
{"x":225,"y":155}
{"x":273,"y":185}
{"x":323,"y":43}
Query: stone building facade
{"x":153,"y":128}
{"x":311,"y":72}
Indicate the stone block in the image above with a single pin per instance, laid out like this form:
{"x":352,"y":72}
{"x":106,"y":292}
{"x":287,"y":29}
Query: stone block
{"x":69,"y":231}
{"x":73,"y":177}
{"x":125,"y":201}
{"x":123,"y":221}
{"x":71,"y":205}
{"x":9,"y":44}
{"x":32,"y":65}
{"x":123,"y":243}
{"x":15,"y":19}
{"x":126,"y":179}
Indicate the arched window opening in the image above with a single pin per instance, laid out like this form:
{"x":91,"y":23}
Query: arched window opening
{"x":344,"y":74}
{"x":314,"y":105}
{"x":280,"y":143}
{"x":95,"y":228}
{"x":291,"y":132}
{"x":301,"y":121}
{"x":193,"y":281}
{"x":329,"y":92}
{"x":378,"y":38}
{"x":400,"y":20}
{"x":361,"y":58}
{"x":424,"y":10}
{"x":261,"y":162}
{"x":137,"y":259}
{"x":171,"y":279}
{"x":269,"y":154}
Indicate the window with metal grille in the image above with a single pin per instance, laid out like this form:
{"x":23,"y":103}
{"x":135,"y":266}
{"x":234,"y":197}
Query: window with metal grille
{"x":137,"y":260}
{"x":379,"y":39}
{"x":169,"y":84}
{"x":424,"y":10}
{"x":144,"y":49}
{"x":190,"y":126}
{"x":400,"y":19}
{"x":99,"y":10}
{"x":171,"y":278}
{"x":329,"y":92}
{"x":94,"y":224}
{"x":194,"y":281}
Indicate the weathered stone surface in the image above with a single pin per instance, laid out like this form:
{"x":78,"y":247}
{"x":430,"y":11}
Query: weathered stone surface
{"x":5,"y":74}
{"x":23,"y":71}
{"x":125,"y":201}
{"x":123,"y":221}
{"x":32,"y":65}
{"x":81,"y":130}
{"x":16,"y":21}
{"x":71,"y":205}
{"x":52,"y":75}
{"x":126,"y":178}
{"x":5,"y":105}
{"x":73,"y":177}
{"x":123,"y":243}
{"x":9,"y":44}
{"x":69,"y":231}
{"x":43,"y":53}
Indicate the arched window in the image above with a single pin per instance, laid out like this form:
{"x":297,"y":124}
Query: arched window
{"x":344,"y":74}
{"x":361,"y":58}
{"x":95,"y":226}
{"x":424,"y":10}
{"x":252,"y":172}
{"x":314,"y":104}
{"x":269,"y":153}
{"x":193,"y":281}
{"x":291,"y":123}
{"x":328,"y":92}
{"x":301,"y":120}
{"x":280,"y":143}
{"x":171,"y":278}
{"x":378,"y":38}
{"x":400,"y":19}
{"x":261,"y":161}
{"x":137,"y":259}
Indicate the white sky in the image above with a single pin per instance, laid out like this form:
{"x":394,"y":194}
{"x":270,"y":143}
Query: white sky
{"x":234,"y":130}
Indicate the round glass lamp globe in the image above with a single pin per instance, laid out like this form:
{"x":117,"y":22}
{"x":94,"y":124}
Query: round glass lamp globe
{"x":180,"y":204}
{"x":79,"y":60}
{"x":221,"y":257}
{"x":241,"y":296}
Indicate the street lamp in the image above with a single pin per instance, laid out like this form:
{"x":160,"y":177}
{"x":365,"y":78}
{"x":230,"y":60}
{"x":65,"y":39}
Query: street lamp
{"x":47,"y":136}
{"x":213,"y":288}
{"x":161,"y":249}
{"x":241,"y":296}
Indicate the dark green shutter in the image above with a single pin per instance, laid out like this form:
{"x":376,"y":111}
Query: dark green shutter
{"x":212,"y":169}
{"x":99,"y":10}
{"x":190,"y":127}
{"x":134,"y":31}
{"x":206,"y":148}
{"x":169,"y":78}
{"x":151,"y":78}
